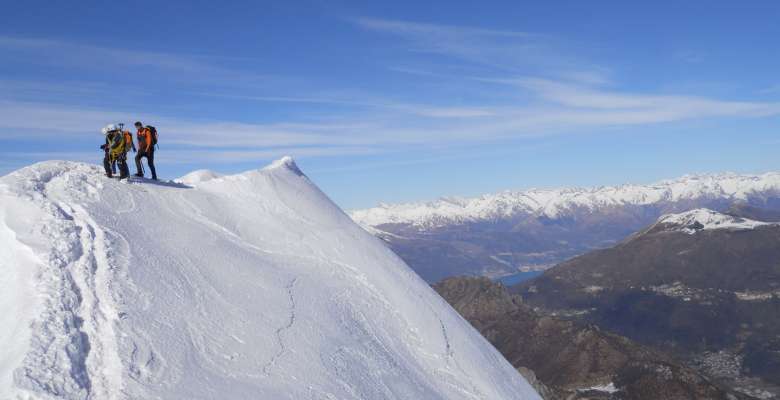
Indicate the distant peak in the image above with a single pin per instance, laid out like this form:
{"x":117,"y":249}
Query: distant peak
{"x":285,"y":162}
{"x":701,"y":219}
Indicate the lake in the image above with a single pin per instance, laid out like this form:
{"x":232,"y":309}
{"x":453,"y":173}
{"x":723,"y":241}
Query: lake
{"x":514,"y":279}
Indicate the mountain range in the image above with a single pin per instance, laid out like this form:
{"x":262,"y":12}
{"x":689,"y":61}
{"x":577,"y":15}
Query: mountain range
{"x":508,"y":232}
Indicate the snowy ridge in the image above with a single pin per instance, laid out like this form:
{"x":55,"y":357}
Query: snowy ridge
{"x":558,"y":202}
{"x":705,"y":219}
{"x":239,"y":287}
{"x":199,"y":176}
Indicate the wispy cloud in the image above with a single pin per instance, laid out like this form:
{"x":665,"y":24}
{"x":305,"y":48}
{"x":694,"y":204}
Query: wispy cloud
{"x":27,"y":119}
{"x":555,"y":107}
{"x":555,"y":93}
{"x":504,"y":50}
{"x":516,"y":104}
{"x":439,"y":38}
{"x":11,"y":88}
{"x":177,"y":66}
{"x":234,"y":156}
{"x":97,"y":56}
{"x":670,"y":106}
{"x":362,"y":101}
{"x":500,"y":49}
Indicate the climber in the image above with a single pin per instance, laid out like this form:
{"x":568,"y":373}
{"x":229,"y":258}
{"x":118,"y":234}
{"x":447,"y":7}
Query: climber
{"x":147,"y":139}
{"x":115,"y":148}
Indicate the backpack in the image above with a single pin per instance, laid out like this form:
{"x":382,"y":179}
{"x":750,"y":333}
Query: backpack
{"x":117,"y":145}
{"x":153,"y":131}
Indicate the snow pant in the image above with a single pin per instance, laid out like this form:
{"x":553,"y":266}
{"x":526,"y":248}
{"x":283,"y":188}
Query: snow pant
{"x":121,"y":161}
{"x":149,"y":159}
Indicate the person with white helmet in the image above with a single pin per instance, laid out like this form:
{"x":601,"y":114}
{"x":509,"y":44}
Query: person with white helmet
{"x":111,"y":169}
{"x":115,"y":148}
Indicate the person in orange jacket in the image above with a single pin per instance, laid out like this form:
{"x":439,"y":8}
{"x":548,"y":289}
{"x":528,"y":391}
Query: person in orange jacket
{"x":145,"y":149}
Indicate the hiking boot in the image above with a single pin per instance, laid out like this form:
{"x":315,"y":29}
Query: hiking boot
{"x":140,"y":175}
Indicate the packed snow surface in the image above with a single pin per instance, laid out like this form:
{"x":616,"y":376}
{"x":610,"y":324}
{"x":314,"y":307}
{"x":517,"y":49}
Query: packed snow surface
{"x":706,"y":219}
{"x":199,"y":176}
{"x":252,"y":286}
{"x":557,"y":202}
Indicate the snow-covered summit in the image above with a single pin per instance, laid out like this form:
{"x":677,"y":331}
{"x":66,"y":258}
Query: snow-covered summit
{"x":705,"y":219}
{"x":240,"y":287}
{"x":285,"y":162}
{"x":554,"y":203}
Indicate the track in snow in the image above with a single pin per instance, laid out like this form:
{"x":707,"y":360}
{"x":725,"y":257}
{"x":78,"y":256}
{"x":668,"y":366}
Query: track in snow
{"x":77,"y":327}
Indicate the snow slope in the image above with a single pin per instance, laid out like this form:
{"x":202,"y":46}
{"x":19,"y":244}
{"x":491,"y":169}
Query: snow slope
{"x":557,"y":202}
{"x":199,"y":176}
{"x":252,"y":286}
{"x":705,"y":219}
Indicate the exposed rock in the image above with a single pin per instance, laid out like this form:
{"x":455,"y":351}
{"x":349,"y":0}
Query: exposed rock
{"x":690,"y":292}
{"x":541,"y":388}
{"x":572,"y":361}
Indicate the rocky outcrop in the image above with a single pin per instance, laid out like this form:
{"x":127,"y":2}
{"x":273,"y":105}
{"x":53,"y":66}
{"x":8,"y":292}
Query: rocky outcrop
{"x":687,"y":291}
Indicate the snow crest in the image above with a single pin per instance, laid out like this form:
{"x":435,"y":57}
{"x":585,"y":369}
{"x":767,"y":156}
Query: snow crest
{"x":245,"y":286}
{"x":705,"y":219}
{"x":199,"y":176}
{"x":559,"y":202}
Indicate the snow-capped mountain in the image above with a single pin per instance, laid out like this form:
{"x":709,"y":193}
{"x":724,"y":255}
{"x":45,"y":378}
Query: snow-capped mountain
{"x":556,"y":203}
{"x":702,"y":219}
{"x":251,"y":286}
{"x":698,"y":285}
{"x":503,"y":233}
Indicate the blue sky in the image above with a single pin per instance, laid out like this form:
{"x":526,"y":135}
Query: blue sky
{"x":408,"y":100}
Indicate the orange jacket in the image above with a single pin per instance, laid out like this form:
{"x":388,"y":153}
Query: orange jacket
{"x":144,"y":139}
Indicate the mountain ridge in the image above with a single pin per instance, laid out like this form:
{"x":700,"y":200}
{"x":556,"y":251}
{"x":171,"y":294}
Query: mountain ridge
{"x":705,"y":287}
{"x":253,"y":285}
{"x":702,"y":219}
{"x":554,"y":203}
{"x":516,"y":232}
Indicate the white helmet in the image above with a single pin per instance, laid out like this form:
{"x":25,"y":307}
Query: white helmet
{"x":109,"y":128}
